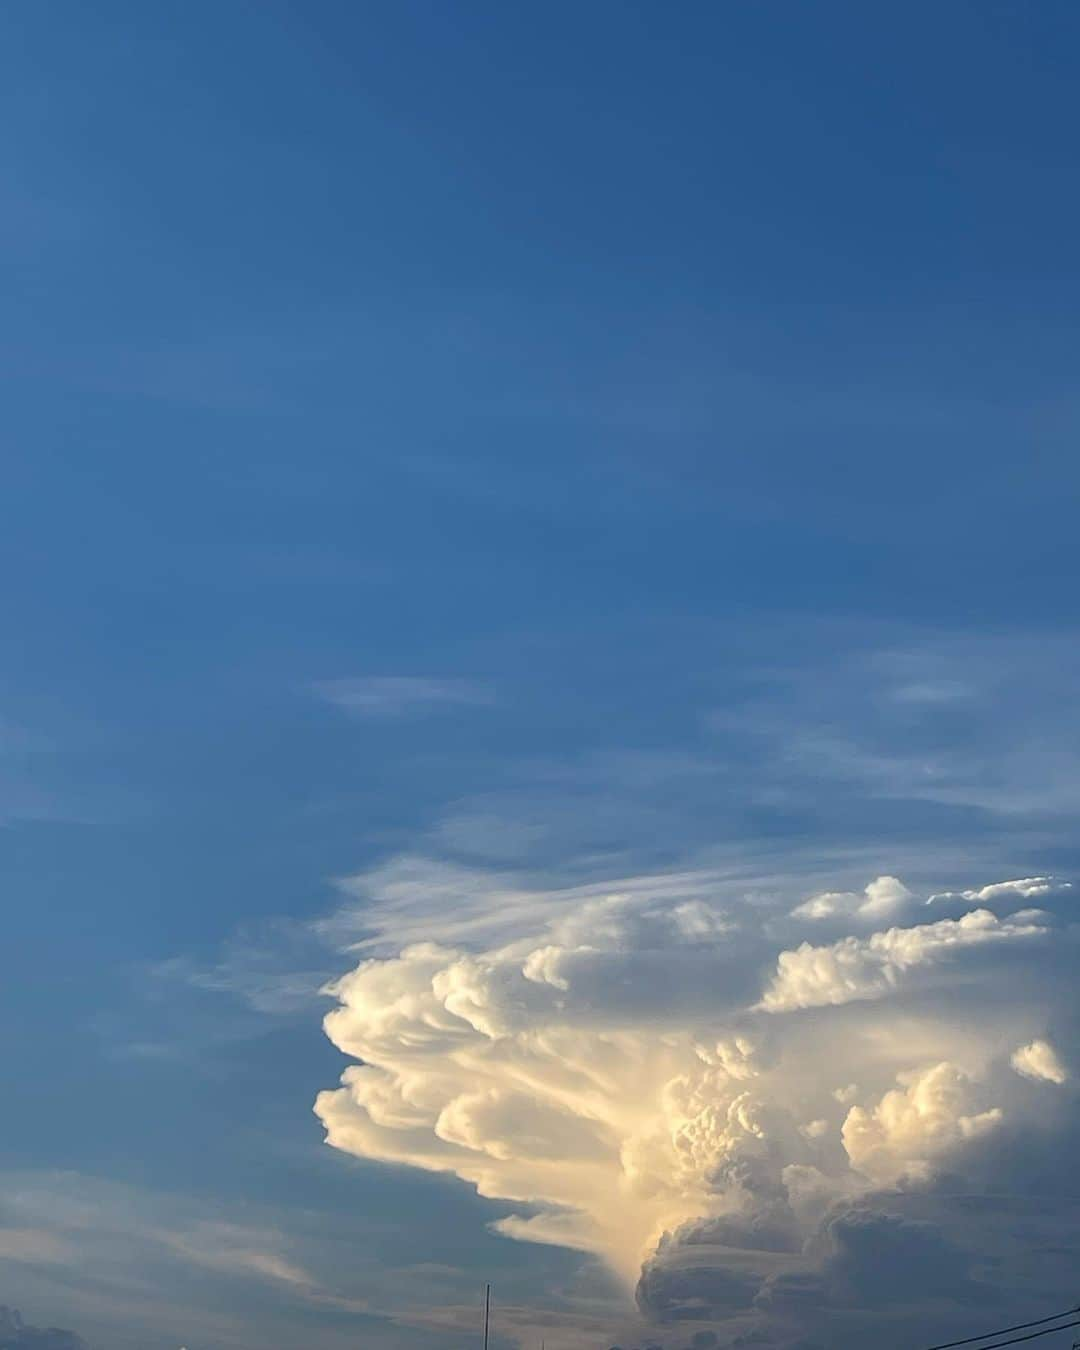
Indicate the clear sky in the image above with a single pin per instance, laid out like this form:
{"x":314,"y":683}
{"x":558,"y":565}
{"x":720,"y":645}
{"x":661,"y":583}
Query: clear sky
{"x":584,"y":496}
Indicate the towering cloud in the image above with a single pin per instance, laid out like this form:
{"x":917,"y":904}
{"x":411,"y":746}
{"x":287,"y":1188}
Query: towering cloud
{"x":741,"y":1119}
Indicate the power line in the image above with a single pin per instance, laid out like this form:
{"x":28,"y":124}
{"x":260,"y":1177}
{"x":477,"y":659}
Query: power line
{"x":1046,"y":1331}
{"x":1031,"y":1336}
{"x":1004,"y":1331}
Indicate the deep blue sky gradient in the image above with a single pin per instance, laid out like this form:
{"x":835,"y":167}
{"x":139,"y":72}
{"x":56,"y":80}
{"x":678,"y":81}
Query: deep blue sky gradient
{"x":634,"y":361}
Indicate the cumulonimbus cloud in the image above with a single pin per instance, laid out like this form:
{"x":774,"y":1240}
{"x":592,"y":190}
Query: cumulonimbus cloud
{"x":699,"y":1083}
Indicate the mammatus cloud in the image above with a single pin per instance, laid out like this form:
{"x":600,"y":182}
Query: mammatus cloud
{"x":740,"y":1120}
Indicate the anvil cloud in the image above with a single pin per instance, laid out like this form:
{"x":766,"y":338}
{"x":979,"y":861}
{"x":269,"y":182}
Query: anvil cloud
{"x":731,"y":1099}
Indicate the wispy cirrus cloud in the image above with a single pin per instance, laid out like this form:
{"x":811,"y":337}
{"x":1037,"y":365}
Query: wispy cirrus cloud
{"x":391,"y":696}
{"x":113,"y":1256}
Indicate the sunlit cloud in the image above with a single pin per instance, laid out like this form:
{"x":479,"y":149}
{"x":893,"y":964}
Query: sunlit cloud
{"x":1039,"y":1060}
{"x":661,"y":1072}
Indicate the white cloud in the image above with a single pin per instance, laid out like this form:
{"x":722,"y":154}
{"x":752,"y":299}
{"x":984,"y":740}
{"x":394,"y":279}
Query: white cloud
{"x":611,"y":1057}
{"x":231,"y":1247}
{"x":1024,"y":888}
{"x":865,"y":968}
{"x":1039,"y":1059}
{"x":932,"y":691}
{"x":881,"y":899}
{"x":387,"y":696}
{"x":931,"y":1113}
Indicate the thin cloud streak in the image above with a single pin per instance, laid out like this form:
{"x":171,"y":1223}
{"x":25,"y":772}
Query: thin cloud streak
{"x":393,"y":696}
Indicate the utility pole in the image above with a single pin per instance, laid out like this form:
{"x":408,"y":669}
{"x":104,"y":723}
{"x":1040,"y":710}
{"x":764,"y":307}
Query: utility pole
{"x":487,"y":1313}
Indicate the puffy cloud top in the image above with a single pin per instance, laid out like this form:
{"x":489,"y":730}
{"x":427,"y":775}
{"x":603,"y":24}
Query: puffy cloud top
{"x":1039,"y":1060}
{"x":859,"y":968}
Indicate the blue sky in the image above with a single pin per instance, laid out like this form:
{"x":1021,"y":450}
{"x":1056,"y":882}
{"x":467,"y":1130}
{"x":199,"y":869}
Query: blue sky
{"x":458,"y":452}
